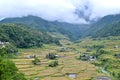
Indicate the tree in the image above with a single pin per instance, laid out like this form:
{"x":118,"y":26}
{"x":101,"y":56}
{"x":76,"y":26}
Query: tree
{"x":23,"y":37}
{"x":8,"y":71}
{"x":53,"y":63}
{"x":36,"y":60}
{"x":8,"y":50}
{"x":118,"y":75}
{"x":84,"y":57}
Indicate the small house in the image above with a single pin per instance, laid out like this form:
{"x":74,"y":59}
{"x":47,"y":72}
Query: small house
{"x":117,"y":55}
{"x":116,"y":46}
{"x":29,"y":56}
{"x":91,"y":58}
{"x":57,"y":56}
{"x":1,"y":43}
{"x":72,"y":75}
{"x":103,"y":78}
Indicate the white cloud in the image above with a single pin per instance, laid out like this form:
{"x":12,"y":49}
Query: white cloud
{"x":72,"y":11}
{"x":101,"y":8}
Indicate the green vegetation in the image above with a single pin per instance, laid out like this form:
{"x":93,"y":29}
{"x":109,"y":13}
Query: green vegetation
{"x":22,"y":37}
{"x":106,"y":53}
{"x":84,"y":57}
{"x":8,"y":50}
{"x":109,"y":30}
{"x":97,"y":55}
{"x":53,"y":63}
{"x":69,"y":31}
{"x":36,"y":61}
{"x":8,"y":70}
{"x":104,"y":27}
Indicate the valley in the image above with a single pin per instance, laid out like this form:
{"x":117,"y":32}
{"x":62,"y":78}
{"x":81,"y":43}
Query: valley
{"x":59,"y":39}
{"x":68,"y":61}
{"x":44,"y":50}
{"x":67,"y":64}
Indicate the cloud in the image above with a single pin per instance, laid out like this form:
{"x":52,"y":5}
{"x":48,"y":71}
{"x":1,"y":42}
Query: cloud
{"x":102,"y":8}
{"x":72,"y":11}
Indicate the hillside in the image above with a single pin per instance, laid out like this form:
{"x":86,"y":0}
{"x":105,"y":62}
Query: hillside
{"x":93,"y":58}
{"x":101,"y":24}
{"x":24,"y":37}
{"x":71,"y":31}
{"x":106,"y":62}
{"x":62,"y":30}
{"x":109,"y":30}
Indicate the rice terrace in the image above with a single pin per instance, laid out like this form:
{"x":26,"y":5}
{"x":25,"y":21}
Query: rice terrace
{"x":59,"y":39}
{"x":68,"y":62}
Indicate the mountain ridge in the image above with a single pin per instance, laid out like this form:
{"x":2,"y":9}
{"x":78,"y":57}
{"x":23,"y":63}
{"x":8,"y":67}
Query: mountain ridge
{"x":63,"y":30}
{"x":101,"y":24}
{"x":72,"y":31}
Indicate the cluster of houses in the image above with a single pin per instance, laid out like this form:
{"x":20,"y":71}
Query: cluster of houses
{"x":2,"y":44}
{"x":116,"y":46}
{"x":87,"y":57}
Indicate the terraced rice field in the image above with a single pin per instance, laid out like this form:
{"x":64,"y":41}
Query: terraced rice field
{"x":67,"y":64}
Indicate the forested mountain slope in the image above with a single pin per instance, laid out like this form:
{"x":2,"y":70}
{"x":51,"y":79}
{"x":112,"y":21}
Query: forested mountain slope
{"x":101,"y":23}
{"x":60,"y":30}
{"x":71,"y":31}
{"x":24,"y":37}
{"x":109,"y":30}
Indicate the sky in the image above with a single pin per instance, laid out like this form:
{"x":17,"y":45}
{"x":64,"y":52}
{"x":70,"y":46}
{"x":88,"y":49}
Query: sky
{"x":71,"y":11}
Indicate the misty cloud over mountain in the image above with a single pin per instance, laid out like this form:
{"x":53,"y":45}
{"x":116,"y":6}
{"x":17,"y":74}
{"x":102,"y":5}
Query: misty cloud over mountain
{"x":72,"y":11}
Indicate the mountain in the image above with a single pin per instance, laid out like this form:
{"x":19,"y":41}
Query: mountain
{"x":55,"y":28}
{"x":101,"y":24}
{"x":24,"y":37}
{"x":62,"y":30}
{"x":112,"y":29}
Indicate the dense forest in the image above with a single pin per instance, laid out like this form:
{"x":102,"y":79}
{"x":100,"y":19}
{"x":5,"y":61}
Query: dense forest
{"x":24,"y":37}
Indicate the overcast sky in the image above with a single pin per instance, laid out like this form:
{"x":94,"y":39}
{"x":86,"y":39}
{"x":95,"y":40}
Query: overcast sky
{"x":72,"y":11}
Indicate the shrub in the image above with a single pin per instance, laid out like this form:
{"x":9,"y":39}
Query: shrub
{"x":53,"y":63}
{"x":84,"y":57}
{"x":36,"y":60}
{"x":8,"y":70}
